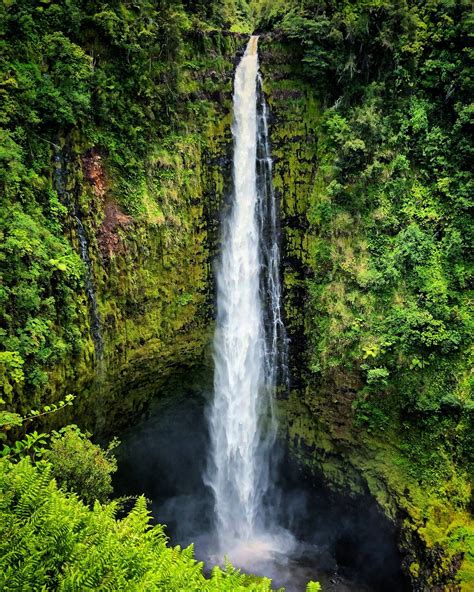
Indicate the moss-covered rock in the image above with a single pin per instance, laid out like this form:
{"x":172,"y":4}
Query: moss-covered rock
{"x":328,"y":419}
{"x":145,"y":309}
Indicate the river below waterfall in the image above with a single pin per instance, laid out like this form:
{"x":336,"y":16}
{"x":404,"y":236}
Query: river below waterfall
{"x":344,"y":543}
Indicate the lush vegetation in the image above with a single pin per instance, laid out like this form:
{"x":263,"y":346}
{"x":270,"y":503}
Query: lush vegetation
{"x":114,"y":78}
{"x":49,"y":540}
{"x":67,"y":69}
{"x":389,"y":211}
{"x":388,"y":245}
{"x":60,"y":531}
{"x":390,"y":236}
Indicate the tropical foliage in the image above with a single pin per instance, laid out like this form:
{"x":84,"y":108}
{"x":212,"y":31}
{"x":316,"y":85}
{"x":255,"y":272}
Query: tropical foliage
{"x":390,"y":207}
{"x":108,"y":76}
{"x":389,"y":238}
{"x":59,"y":531}
{"x":49,"y":540}
{"x":389,"y":267}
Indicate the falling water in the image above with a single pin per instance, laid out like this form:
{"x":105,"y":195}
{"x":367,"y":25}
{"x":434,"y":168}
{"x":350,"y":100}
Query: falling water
{"x":250,"y":337}
{"x":276,"y":358}
{"x":93,"y":308}
{"x":64,"y":195}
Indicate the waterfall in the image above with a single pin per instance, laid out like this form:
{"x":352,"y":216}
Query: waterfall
{"x":276,"y":359}
{"x":65,"y":197}
{"x":250,"y":340}
{"x":89,"y":282}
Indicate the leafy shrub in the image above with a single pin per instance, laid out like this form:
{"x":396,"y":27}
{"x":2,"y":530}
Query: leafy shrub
{"x":49,"y":540}
{"x":81,"y":466}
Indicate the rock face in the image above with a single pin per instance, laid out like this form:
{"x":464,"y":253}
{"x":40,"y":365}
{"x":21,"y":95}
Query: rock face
{"x":150,"y":269}
{"x":322,"y":424}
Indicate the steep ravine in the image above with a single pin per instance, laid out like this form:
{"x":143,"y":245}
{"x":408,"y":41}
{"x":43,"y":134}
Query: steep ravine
{"x":153,"y":282}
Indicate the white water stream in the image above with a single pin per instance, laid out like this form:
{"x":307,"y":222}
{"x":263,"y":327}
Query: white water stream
{"x":249,"y":336}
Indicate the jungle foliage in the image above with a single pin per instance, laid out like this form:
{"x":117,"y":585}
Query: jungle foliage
{"x":60,"y":531}
{"x":388,"y":273}
{"x":389,"y":220}
{"x":50,"y":540}
{"x":111,"y":76}
{"x":389,"y":224}
{"x":108,"y":76}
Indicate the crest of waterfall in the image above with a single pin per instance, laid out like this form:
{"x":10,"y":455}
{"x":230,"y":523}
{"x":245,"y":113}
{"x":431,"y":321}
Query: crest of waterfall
{"x":250,"y":340}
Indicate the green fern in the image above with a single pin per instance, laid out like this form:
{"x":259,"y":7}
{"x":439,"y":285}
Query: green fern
{"x":49,"y":540}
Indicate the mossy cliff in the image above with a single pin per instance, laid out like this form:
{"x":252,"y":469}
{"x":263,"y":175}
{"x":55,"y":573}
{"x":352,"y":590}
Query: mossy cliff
{"x":152,"y":267}
{"x":117,"y":148}
{"x":114,"y":166}
{"x":345,"y":417}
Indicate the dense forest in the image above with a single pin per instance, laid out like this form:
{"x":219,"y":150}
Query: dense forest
{"x":115,"y":126}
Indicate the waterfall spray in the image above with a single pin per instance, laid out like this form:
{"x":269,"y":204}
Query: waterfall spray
{"x":250,"y":337}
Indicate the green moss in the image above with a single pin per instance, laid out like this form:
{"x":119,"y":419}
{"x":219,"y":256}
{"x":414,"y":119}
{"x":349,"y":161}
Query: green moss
{"x":358,"y":462}
{"x":349,"y":420}
{"x":152,"y":232}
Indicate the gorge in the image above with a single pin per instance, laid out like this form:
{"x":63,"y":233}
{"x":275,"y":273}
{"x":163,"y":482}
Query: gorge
{"x":117,"y":220}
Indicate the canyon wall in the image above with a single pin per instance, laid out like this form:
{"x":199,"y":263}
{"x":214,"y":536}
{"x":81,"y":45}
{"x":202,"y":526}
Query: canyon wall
{"x":119,"y":300}
{"x":349,"y":429}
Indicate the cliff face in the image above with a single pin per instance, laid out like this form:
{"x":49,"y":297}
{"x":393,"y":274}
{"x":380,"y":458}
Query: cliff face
{"x":153,"y":272}
{"x":140,"y":308}
{"x":356,"y":434}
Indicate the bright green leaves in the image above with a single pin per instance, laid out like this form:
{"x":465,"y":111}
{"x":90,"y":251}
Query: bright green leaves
{"x":418,"y":115}
{"x":81,"y":466}
{"x":370,"y":351}
{"x":51,"y":540}
{"x":377,"y":377}
{"x":9,"y":420}
{"x":11,"y":371}
{"x":32,"y":445}
{"x":389,"y":230}
{"x":49,"y":76}
{"x":36,"y":259}
{"x":66,"y":79}
{"x":337,"y":128}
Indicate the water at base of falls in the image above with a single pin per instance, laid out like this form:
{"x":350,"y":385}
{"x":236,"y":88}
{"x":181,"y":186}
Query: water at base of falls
{"x":345,"y":543}
{"x":249,"y":339}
